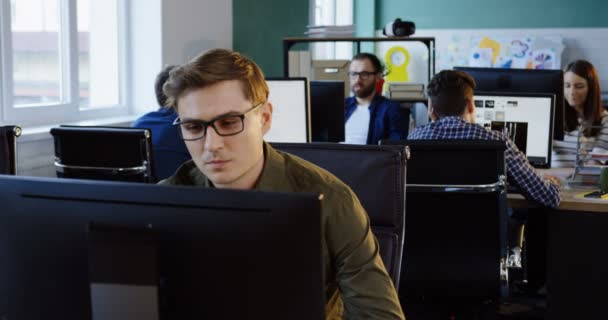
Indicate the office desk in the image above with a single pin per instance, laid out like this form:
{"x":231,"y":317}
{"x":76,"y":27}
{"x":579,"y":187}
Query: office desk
{"x":571,"y":201}
{"x":574,"y":238}
{"x":571,"y":198}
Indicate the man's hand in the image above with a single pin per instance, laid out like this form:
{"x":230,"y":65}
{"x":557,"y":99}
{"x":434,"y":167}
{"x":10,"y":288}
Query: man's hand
{"x":553,"y":179}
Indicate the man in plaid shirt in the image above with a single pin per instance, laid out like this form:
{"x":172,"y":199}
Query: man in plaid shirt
{"x":452,"y":110}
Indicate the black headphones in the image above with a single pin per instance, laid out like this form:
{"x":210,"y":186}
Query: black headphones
{"x":399,"y":28}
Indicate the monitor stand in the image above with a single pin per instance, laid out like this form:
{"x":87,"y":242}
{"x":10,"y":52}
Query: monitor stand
{"x":123,"y":273}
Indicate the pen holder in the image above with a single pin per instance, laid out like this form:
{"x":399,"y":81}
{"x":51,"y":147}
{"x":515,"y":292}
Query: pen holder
{"x":604,"y":180}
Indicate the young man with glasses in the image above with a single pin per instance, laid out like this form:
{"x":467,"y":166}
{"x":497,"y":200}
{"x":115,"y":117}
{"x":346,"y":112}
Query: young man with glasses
{"x":369,"y":116}
{"x":221,"y":99}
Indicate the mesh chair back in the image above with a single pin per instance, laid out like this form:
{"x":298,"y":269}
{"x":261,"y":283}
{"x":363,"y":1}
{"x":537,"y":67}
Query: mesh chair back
{"x":376,"y":174}
{"x":8,"y":149}
{"x":455,"y":228}
{"x":104,"y":153}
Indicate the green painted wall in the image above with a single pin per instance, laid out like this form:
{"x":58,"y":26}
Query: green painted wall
{"x":259,"y":28}
{"x":463,"y":14}
{"x":365,"y":16}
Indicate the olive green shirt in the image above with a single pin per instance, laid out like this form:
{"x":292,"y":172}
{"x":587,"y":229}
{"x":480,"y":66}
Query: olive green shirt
{"x":357,"y":285}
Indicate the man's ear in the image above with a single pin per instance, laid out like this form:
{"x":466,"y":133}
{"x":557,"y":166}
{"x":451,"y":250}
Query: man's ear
{"x":431,"y":111}
{"x":469,"y":111}
{"x":266,"y":117}
{"x":470,"y":106}
{"x":379,"y":78}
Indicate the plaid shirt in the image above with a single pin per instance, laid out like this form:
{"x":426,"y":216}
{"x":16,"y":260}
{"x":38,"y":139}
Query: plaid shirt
{"x":519,"y":171}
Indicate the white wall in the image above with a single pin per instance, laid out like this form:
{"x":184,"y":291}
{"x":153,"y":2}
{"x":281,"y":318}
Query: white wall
{"x":145,"y":47}
{"x":191,"y":26}
{"x":172,"y":32}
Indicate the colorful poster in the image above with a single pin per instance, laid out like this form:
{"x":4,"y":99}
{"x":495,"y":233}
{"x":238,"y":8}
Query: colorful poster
{"x":523,"y":52}
{"x":519,"y":51}
{"x":481,"y":57}
{"x":544,"y":59}
{"x":487,"y":43}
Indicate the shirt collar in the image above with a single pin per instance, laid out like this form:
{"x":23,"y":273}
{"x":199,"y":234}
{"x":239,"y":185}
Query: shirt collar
{"x":274,"y":176}
{"x":450,"y":119}
{"x":375,"y":100}
{"x":198,"y":178}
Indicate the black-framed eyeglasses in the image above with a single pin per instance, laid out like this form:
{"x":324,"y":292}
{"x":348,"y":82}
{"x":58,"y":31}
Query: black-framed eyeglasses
{"x":224,"y":125}
{"x":363,"y":74}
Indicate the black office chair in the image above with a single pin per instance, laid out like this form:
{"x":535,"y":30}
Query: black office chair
{"x":455,"y":230}
{"x":104,"y":153}
{"x":8,"y":149}
{"x":377,"y":176}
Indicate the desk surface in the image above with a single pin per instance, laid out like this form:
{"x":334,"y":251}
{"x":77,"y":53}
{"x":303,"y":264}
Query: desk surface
{"x":571,"y":197}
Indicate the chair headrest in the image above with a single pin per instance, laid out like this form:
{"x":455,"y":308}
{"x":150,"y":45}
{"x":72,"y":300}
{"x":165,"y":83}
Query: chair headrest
{"x":375,"y":173}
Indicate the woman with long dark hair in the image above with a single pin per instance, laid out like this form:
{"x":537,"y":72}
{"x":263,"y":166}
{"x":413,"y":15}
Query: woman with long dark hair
{"x":583,"y":109}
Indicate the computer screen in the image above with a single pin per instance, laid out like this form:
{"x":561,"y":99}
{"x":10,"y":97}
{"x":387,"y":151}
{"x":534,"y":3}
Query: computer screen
{"x":291,"y":110}
{"x":524,"y":81}
{"x":526,"y":118}
{"x":69,"y":248}
{"x":327,"y":111}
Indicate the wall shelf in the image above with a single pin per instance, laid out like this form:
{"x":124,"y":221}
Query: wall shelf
{"x":429,"y":42}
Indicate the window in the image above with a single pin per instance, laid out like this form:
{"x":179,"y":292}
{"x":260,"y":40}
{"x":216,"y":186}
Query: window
{"x":61,"y":60}
{"x":332,"y":13}
{"x":36,"y":52}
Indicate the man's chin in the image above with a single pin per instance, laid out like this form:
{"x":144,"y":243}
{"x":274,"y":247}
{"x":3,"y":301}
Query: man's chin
{"x":219,"y":178}
{"x":363,"y":96}
{"x":362,"y":93}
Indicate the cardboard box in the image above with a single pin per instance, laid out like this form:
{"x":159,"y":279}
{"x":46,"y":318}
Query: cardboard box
{"x":299,"y":64}
{"x":332,"y":70}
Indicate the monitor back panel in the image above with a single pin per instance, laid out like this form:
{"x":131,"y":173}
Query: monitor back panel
{"x":221,"y":254}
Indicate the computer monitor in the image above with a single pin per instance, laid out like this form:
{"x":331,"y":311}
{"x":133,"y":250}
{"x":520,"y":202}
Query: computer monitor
{"x":80,"y":249}
{"x":291,"y":110}
{"x":327,"y":111}
{"x":524,"y":81}
{"x":526,"y":118}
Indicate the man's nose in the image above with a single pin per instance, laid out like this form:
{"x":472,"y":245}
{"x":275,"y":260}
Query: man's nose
{"x":213,"y":141}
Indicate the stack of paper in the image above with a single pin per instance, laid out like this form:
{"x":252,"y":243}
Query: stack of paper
{"x":590,"y":170}
{"x":405,"y":91}
{"x":330,"y":31}
{"x":599,"y":154}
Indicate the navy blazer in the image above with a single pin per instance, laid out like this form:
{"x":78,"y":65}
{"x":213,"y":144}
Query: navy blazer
{"x":387,"y":121}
